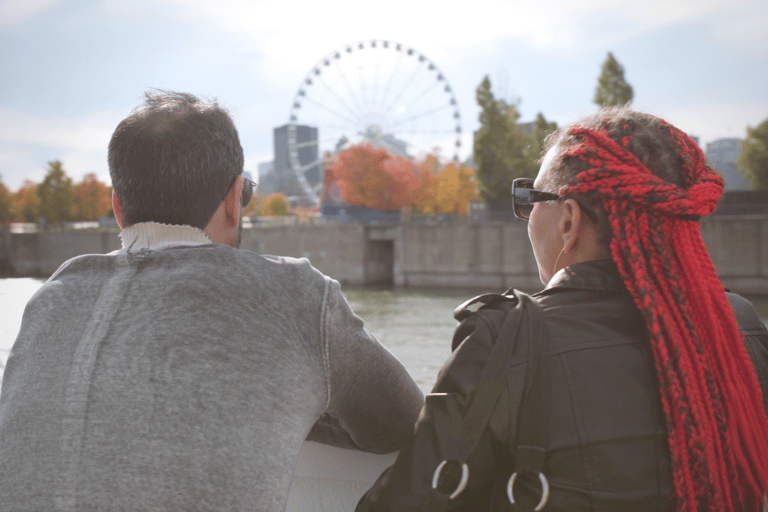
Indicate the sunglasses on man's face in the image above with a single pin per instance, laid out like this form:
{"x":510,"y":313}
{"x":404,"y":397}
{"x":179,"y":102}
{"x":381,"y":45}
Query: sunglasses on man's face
{"x":524,"y":195}
{"x":248,"y":186}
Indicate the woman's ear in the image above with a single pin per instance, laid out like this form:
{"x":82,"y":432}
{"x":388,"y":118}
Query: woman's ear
{"x":581,"y":236}
{"x":571,"y":226}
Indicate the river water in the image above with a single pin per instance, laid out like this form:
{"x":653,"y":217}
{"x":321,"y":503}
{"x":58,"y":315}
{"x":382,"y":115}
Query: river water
{"x":416,"y":325}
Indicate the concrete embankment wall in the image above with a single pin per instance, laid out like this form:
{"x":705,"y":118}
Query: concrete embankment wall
{"x":500,"y":255}
{"x":495,"y":255}
{"x":337,"y":250}
{"x":40,"y":254}
{"x":491,"y":256}
{"x":739,"y":249}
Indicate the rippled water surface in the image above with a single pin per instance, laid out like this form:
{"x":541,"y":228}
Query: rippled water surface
{"x":14,"y":294}
{"x":416,"y":325}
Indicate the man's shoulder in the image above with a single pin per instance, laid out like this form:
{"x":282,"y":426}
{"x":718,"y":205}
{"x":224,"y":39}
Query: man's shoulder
{"x":241,"y":270}
{"x":273,"y":264}
{"x":210,"y":260}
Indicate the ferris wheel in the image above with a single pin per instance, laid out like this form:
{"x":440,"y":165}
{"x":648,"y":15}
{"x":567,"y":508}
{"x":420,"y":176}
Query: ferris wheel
{"x":380,"y":92}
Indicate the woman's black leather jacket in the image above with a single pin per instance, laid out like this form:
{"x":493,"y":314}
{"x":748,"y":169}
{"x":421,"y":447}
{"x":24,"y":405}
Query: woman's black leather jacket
{"x":607,"y":446}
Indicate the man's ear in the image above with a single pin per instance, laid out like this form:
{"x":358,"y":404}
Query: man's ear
{"x":232,"y":202}
{"x":117,"y":210}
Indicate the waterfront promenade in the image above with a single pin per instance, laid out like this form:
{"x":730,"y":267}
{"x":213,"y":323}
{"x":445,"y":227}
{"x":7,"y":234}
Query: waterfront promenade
{"x":485,"y":255}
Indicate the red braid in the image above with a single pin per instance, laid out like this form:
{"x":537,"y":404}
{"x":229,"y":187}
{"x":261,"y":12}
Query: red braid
{"x":709,"y":390}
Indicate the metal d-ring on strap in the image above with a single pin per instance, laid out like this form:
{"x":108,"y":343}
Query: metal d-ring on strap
{"x":484,"y":398}
{"x":462,"y":483}
{"x":544,"y":490}
{"x":531,"y":436}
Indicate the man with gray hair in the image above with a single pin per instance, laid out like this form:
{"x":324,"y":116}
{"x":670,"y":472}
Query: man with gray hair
{"x":180,"y":372}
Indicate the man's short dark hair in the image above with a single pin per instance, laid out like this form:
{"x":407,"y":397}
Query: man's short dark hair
{"x":173,"y":160}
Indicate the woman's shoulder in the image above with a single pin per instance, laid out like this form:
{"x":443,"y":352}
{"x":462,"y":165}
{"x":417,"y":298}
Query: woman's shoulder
{"x":746,"y":315}
{"x":755,"y":338}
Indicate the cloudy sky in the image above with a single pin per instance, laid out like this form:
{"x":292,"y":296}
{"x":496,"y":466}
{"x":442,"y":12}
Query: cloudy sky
{"x":71,"y":70}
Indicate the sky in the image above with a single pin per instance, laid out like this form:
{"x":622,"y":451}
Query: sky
{"x":71,"y":70}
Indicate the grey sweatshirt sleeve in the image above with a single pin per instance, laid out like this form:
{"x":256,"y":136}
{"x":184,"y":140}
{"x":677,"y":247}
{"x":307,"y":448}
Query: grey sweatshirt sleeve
{"x":372,"y":401}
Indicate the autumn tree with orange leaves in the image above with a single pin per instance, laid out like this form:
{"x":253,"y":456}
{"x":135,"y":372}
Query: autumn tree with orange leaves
{"x":57,"y":199}
{"x":446,"y":188}
{"x":372,"y":177}
{"x":25,"y":203}
{"x":5,"y":203}
{"x":92,"y":198}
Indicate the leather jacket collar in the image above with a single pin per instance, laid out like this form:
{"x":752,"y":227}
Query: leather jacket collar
{"x":599,"y":275}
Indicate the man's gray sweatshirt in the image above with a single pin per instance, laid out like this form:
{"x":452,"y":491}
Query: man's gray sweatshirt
{"x":177,"y":374}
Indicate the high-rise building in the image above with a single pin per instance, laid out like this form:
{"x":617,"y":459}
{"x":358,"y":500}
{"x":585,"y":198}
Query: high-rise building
{"x":265,"y":168}
{"x":722,"y":154}
{"x":307,"y":149}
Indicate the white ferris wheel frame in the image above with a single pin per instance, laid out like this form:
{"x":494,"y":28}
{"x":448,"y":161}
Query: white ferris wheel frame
{"x":314,"y":75}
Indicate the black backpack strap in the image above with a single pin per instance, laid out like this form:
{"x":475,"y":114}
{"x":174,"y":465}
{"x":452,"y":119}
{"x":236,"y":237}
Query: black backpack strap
{"x":532,"y":431}
{"x":483,"y":401}
{"x":491,"y":384}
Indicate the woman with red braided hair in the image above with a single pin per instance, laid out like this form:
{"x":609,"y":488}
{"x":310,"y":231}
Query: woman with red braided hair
{"x":657,"y":376}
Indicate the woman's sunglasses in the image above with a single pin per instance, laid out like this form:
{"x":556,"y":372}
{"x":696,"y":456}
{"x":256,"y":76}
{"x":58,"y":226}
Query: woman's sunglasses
{"x":524,"y":195}
{"x":248,"y":186}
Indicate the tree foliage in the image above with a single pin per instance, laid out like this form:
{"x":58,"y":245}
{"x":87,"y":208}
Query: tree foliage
{"x":255,"y":206}
{"x":499,"y":150}
{"x":275,"y":205}
{"x":371,"y":177}
{"x":25,"y":205}
{"x":753,"y":157}
{"x":55,"y":193}
{"x":5,"y":203}
{"x":612,"y":89}
{"x":448,"y":188}
{"x":534,"y":150}
{"x":91,"y":198}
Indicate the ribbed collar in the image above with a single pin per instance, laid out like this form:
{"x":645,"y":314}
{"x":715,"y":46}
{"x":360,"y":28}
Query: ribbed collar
{"x":154,"y":235}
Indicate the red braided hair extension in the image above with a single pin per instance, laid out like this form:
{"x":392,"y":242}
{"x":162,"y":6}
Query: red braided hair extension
{"x":710,"y":394}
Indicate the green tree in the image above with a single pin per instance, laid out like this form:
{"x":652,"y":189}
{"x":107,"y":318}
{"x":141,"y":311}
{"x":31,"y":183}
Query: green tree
{"x":612,"y":89}
{"x":55,"y":193}
{"x":5,"y":203}
{"x":534,"y":150}
{"x":275,"y":205}
{"x":753,"y":157}
{"x":499,"y":150}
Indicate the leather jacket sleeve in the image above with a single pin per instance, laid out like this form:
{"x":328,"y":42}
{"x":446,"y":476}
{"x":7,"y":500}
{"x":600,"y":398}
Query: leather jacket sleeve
{"x":407,"y":484}
{"x":755,"y":339}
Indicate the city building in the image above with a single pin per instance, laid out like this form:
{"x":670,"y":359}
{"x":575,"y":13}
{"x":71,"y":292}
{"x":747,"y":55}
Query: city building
{"x":279,"y":175}
{"x":722,"y":154}
{"x":266,"y":168}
